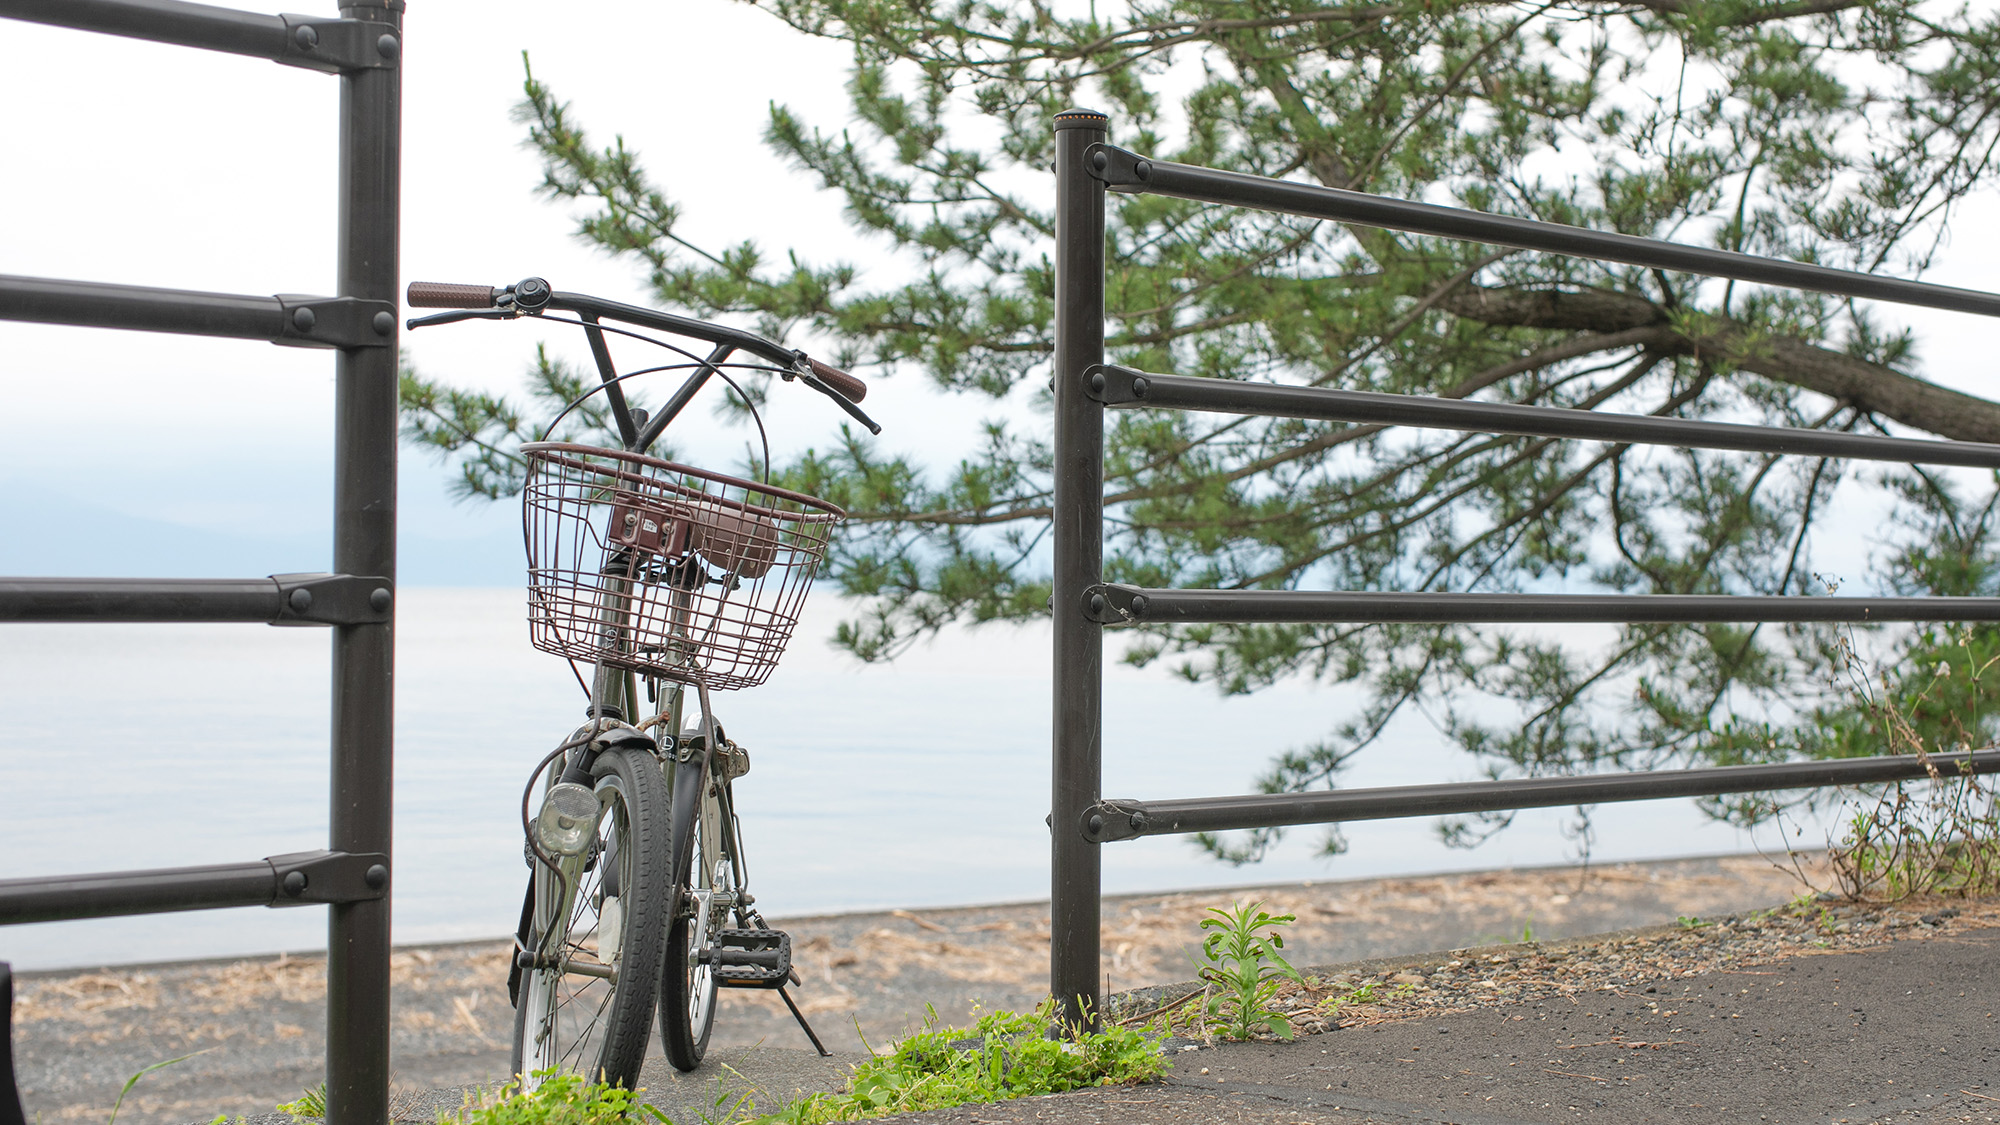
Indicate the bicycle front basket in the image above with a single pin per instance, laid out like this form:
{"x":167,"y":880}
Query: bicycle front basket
{"x":665,"y":569}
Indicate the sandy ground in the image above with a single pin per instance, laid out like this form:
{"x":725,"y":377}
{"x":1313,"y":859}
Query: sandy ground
{"x":259,"y":1022}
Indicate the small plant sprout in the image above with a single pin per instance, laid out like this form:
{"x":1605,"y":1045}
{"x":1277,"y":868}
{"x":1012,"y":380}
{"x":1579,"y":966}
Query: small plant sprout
{"x":1245,"y":970}
{"x":1691,"y":922}
{"x":310,"y":1106}
{"x":134,"y":1081}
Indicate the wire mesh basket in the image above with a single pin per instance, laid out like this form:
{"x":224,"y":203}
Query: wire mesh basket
{"x":665,"y":569}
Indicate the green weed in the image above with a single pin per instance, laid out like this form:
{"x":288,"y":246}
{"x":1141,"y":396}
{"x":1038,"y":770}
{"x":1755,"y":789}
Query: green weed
{"x":1245,"y":970}
{"x":561,"y":1099}
{"x":1005,"y":1055}
{"x":1368,"y":992}
{"x":310,"y":1106}
{"x":1690,"y":922}
{"x":134,"y":1081}
{"x":1935,"y":837}
{"x":1362,"y":995}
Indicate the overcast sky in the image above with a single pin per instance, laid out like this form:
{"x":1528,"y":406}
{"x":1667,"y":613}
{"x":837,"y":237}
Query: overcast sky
{"x":196,"y":170}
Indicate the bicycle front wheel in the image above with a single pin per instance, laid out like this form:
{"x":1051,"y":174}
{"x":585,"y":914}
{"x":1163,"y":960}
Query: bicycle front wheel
{"x":586,"y":1003}
{"x":705,"y":885}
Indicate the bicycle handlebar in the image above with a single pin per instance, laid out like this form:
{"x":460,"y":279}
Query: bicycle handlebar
{"x":533,"y":295}
{"x":439,"y":295}
{"x":839,"y":380}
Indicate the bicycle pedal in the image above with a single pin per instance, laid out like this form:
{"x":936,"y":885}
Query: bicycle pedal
{"x":751,"y":958}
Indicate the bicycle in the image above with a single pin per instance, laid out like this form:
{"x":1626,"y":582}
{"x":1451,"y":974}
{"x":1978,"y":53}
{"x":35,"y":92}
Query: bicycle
{"x":678,"y":577}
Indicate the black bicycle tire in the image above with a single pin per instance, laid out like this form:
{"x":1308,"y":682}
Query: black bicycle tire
{"x":648,"y":902}
{"x":685,"y":1043}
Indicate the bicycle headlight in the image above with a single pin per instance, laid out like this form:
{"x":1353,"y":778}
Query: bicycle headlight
{"x":568,"y":820}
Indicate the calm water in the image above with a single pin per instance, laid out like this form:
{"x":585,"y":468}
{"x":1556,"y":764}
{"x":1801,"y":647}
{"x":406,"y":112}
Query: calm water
{"x":923,"y":783}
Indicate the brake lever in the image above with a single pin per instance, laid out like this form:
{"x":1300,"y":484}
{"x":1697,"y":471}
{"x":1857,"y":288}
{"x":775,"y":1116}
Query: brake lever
{"x":840,"y":400}
{"x":460,"y":314}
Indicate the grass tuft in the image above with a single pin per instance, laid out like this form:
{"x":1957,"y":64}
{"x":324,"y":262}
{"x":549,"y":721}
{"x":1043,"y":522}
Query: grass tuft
{"x":1005,"y":1055}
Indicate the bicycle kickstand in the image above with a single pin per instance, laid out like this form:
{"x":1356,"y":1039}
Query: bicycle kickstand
{"x":785,"y":995}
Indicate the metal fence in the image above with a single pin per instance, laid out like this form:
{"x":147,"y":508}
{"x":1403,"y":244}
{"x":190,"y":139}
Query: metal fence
{"x":363,"y":46}
{"x":1085,"y":386}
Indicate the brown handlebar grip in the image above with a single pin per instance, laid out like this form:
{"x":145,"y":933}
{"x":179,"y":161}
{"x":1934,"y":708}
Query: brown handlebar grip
{"x":439,"y":295}
{"x":850,"y":388}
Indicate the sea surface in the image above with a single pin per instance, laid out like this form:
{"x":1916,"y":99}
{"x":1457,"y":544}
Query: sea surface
{"x":919,"y":783}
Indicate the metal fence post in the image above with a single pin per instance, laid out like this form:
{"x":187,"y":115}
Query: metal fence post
{"x":1076,"y":863}
{"x":364,"y":542}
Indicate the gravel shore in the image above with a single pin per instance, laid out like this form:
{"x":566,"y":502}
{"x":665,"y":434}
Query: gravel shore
{"x":81,"y":1034}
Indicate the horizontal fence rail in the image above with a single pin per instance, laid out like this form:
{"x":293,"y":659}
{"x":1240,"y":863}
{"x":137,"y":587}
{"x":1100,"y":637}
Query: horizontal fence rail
{"x":1084,"y":604}
{"x":282,"y":599}
{"x":280,"y":880}
{"x":1126,"y":820}
{"x":1126,"y":171}
{"x":330,"y":322}
{"x":1118,"y":386}
{"x":303,"y":41}
{"x":1112,"y":604}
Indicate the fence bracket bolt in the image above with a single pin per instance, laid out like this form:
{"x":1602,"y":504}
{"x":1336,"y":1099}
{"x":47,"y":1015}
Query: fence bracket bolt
{"x":377,"y":876}
{"x":295,"y":883}
{"x":1140,"y":386}
{"x":332,"y":599}
{"x":1096,"y":605}
{"x":303,"y":319}
{"x":1138,"y":604}
{"x":388,"y":46}
{"x":1097,"y":382}
{"x":306,"y":36}
{"x":385,"y":323}
{"x":1095,"y":823}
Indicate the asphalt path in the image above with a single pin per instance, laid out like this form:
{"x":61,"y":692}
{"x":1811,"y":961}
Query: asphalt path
{"x":1903,"y":1032}
{"x":1883,"y":1020}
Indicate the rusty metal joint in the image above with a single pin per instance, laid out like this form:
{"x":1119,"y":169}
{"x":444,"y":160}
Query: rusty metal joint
{"x":1110,"y":604}
{"x":1109,"y":820}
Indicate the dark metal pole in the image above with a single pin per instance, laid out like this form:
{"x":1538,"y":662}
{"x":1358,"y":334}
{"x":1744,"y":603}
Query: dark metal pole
{"x":1125,"y":820}
{"x":110,"y":893}
{"x":1123,"y":386}
{"x":139,"y":599}
{"x":1076,"y":864}
{"x":1118,"y":605}
{"x":1133,"y":172}
{"x":164,"y":21}
{"x":95,"y":304}
{"x":364,"y":542}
